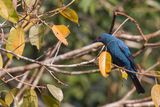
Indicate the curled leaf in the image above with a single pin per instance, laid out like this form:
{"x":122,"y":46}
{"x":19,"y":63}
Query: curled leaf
{"x":61,"y":32}
{"x":70,"y":14}
{"x":105,"y":62}
{"x":155,"y":94}
{"x":15,"y":41}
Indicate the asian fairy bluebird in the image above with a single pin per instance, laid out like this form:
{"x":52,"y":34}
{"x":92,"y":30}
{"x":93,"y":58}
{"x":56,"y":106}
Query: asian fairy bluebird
{"x":121,"y":56}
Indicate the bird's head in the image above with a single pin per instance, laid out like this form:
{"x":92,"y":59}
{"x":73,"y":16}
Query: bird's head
{"x":105,"y":38}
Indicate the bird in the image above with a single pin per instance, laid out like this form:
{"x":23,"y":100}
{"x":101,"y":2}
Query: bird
{"x":121,"y":56}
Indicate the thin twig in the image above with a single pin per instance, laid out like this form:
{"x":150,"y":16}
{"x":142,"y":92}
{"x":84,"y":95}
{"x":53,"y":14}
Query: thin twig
{"x":120,"y":26}
{"x":57,"y":50}
{"x":53,"y":69}
{"x":56,"y":11}
{"x":72,"y":65}
{"x":22,"y":81}
{"x":134,"y":21}
{"x":58,"y":80}
{"x":6,"y":81}
{"x":113,"y":22}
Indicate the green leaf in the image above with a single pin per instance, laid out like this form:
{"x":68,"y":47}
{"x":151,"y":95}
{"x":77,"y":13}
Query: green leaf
{"x":16,"y":41}
{"x":7,"y":11}
{"x":50,"y":101}
{"x":56,"y":92}
{"x":70,"y":14}
{"x":36,"y":35}
{"x":1,"y":61}
{"x":30,"y":98}
{"x":10,"y":96}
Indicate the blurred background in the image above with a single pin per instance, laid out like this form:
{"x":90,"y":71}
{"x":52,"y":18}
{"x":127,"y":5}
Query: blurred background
{"x":95,"y":17}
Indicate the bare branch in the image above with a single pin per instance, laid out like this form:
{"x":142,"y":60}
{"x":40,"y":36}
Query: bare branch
{"x":134,"y":21}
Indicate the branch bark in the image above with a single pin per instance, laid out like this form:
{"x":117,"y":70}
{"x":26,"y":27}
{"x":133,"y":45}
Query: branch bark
{"x":80,"y":52}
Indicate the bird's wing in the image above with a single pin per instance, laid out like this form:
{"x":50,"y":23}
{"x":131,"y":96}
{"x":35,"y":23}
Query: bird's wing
{"x":124,"y":48}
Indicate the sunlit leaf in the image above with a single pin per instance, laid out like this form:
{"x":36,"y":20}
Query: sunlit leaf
{"x":61,"y":32}
{"x":1,"y":61}
{"x":7,"y":11}
{"x":16,"y":41}
{"x":56,"y":92}
{"x":36,"y":35}
{"x":105,"y":62}
{"x":30,"y":98}
{"x":155,"y":94}
{"x":124,"y":74}
{"x":10,"y":96}
{"x":70,"y":14}
{"x":50,"y":101}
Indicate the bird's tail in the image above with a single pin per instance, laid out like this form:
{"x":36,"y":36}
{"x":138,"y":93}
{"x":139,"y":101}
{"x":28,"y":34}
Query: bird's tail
{"x":137,"y":84}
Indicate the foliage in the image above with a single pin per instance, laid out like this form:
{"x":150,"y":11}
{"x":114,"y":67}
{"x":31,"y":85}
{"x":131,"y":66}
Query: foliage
{"x":61,"y":32}
{"x":16,"y":41}
{"x":7,"y":11}
{"x":33,"y":30}
{"x":105,"y":62}
{"x":155,"y":94}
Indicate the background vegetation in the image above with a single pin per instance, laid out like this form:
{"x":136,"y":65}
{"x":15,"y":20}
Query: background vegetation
{"x":95,"y":17}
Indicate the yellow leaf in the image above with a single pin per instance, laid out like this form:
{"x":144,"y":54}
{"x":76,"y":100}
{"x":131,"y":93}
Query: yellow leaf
{"x":7,"y":11}
{"x":105,"y":62}
{"x":155,"y":94}
{"x":3,"y":9}
{"x":16,"y":41}
{"x":61,"y":32}
{"x":1,"y":61}
{"x":3,"y":103}
{"x":124,"y":74}
{"x":70,"y":14}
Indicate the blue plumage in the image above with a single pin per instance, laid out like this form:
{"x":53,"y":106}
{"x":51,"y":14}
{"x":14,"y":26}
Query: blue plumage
{"x":121,"y":56}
